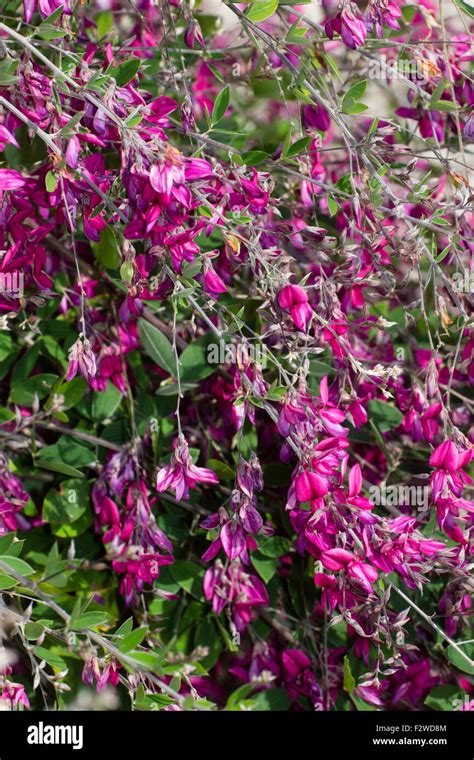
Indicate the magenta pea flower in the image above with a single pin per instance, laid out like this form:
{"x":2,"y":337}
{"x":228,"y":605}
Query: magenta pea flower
{"x":45,"y":8}
{"x":349,"y":23}
{"x":193,"y":34}
{"x":181,"y":474}
{"x":355,"y":487}
{"x":14,"y":695}
{"x":316,"y":117}
{"x":380,"y":12}
{"x":81,"y":357}
{"x":213,"y":284}
{"x":311,"y":485}
{"x":13,"y":499}
{"x":449,"y":477}
{"x":10,"y":179}
{"x":109,"y":675}
{"x":168,"y":172}
{"x":233,"y":586}
{"x":341,"y":559}
{"x":293,"y":298}
{"x":6,"y":137}
{"x":468,"y":131}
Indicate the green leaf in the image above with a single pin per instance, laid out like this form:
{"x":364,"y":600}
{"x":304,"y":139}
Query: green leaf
{"x":260,"y":10}
{"x":105,"y":403}
{"x":50,"y":32}
{"x":53,"y":16}
{"x":152,"y":701}
{"x":25,"y":391}
{"x":73,"y":391}
{"x":172,"y":389}
{"x":88,"y":620}
{"x":332,"y":64}
{"x":193,"y":360}
{"x":241,"y":693}
{"x":125,"y":72}
{"x":8,"y":546}
{"x":361,"y":705}
{"x":133,"y":639}
{"x":459,"y":661}
{"x":68,"y":452}
{"x":332,"y":206}
{"x":350,"y":100}
{"x":351,"y":106}
{"x":104,"y":21}
{"x":189,"y":576}
{"x":222,"y":470}
{"x":6,"y":415}
{"x":16,"y":564}
{"x":466,"y":6}
{"x":57,"y":466}
{"x":275,"y":546}
{"x":157,"y":346}
{"x":145,"y":661}
{"x":348,"y":679}
{"x":6,"y":345}
{"x":221,"y":105}
{"x":207,"y":635}
{"x":7,"y":72}
{"x":255,"y":157}
{"x":384,"y":415}
{"x":33,"y":631}
{"x":51,"y":182}
{"x":126,"y":272}
{"x":25,"y":365}
{"x":373,"y":128}
{"x":266,"y":567}
{"x":272,"y":699}
{"x":106,"y":250}
{"x":441,"y":698}
{"x":298,"y":147}
{"x":50,"y":657}
{"x":74,"y":529}
{"x":6,"y":581}
{"x":125,"y":628}
{"x":443,"y":105}
{"x":69,"y":504}
{"x":357,"y":90}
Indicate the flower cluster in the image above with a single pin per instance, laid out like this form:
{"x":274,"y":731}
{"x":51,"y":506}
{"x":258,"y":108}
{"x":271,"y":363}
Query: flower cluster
{"x":199,"y":526}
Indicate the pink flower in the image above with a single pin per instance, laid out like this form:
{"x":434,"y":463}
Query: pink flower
{"x":81,"y":357}
{"x":14,"y":694}
{"x":380,"y":12}
{"x":91,"y":672}
{"x":355,"y":487}
{"x":7,"y":137}
{"x":310,"y":485}
{"x":45,"y":7}
{"x":11,"y":179}
{"x":336,"y":559}
{"x":181,"y":474}
{"x":340,"y":559}
{"x":213,"y":285}
{"x":364,"y":573}
{"x":293,"y":298}
{"x":13,"y":499}
{"x":193,"y":34}
{"x":233,"y":587}
{"x":169,"y":172}
{"x":349,"y":23}
{"x":449,"y":477}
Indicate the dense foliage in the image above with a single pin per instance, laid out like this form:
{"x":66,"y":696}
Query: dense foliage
{"x":236,"y":355}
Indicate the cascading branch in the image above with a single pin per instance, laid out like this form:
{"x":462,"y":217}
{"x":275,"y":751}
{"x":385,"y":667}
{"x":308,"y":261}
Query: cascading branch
{"x":236,"y":303}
